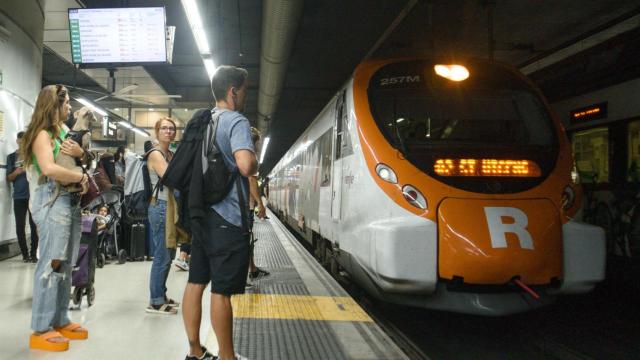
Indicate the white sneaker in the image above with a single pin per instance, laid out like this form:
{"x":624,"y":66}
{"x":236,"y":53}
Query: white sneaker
{"x":181,"y":264}
{"x":240,"y":357}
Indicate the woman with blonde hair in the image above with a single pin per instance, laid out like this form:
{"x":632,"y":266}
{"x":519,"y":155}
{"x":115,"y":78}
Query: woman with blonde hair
{"x":158,"y":160}
{"x":57,"y":220}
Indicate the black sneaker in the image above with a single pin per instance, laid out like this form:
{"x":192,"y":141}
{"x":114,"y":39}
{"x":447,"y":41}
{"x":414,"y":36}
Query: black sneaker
{"x":258,"y":274}
{"x":205,"y":355}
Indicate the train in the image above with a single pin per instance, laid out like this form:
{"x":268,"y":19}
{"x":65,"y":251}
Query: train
{"x":441,"y":184}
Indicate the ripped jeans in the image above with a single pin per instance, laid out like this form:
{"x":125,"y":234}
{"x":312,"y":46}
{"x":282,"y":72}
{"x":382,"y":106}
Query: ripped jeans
{"x":59,"y":229}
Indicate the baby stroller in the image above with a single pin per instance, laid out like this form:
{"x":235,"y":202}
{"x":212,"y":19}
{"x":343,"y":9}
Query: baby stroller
{"x":113,"y":200}
{"x":83,"y":274}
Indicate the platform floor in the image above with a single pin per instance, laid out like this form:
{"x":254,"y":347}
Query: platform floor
{"x":299,"y":312}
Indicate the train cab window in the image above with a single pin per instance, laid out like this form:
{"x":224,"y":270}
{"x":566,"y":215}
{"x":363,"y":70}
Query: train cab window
{"x":492,"y":114}
{"x":633,"y":158}
{"x":591,"y":151}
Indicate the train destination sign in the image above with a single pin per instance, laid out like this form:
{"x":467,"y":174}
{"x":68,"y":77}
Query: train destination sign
{"x":486,"y":167}
{"x":588,"y":113}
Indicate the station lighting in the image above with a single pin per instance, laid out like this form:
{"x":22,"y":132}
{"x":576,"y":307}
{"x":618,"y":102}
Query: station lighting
{"x":210,"y":66}
{"x":264,"y":148}
{"x":91,"y":106}
{"x":140,"y":132}
{"x":125,"y":124}
{"x":452,"y":72}
{"x":195,"y":22}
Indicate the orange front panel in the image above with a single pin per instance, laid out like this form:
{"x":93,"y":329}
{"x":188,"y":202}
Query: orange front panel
{"x":491,"y":241}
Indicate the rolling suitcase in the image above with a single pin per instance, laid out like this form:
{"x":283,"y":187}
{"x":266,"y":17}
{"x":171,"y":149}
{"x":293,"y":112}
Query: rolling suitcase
{"x":138,"y":234}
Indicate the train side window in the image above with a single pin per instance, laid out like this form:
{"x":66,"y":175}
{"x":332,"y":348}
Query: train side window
{"x":591,"y":151}
{"x":633,"y":158}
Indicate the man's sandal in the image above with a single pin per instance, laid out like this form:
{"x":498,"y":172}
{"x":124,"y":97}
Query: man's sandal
{"x":174,"y":304}
{"x":70,"y":331}
{"x":43,"y":342}
{"x":165,"y":309}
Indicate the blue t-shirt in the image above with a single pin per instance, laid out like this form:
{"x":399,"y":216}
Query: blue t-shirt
{"x":20,"y":184}
{"x":233,"y":134}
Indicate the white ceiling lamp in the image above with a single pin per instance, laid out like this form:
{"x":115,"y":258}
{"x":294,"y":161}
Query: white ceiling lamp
{"x":210,"y":66}
{"x":195,"y":22}
{"x":91,"y":106}
{"x":264,"y":148}
{"x":125,"y":124}
{"x":140,"y":132}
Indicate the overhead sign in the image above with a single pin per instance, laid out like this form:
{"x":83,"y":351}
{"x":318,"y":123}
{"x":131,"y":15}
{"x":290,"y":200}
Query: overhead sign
{"x":588,"y":113}
{"x":118,"y":35}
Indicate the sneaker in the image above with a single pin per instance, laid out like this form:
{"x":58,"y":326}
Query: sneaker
{"x":205,"y":355}
{"x":240,"y":357}
{"x":181,"y":264}
{"x":174,"y":304}
{"x":164,"y":309}
{"x":258,"y":274}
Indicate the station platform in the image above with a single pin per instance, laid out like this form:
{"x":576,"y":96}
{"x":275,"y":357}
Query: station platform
{"x":298,"y":312}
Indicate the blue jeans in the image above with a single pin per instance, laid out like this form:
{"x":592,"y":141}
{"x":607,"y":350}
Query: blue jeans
{"x":161,"y":255}
{"x":59,"y":229}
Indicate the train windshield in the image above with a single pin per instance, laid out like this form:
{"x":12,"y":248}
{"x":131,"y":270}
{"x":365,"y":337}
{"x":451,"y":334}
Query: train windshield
{"x":414,"y":107}
{"x":493,"y":114}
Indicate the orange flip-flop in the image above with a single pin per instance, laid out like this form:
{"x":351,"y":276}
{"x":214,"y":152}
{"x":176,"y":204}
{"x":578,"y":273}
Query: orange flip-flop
{"x":69,"y":331}
{"x":41,"y":342}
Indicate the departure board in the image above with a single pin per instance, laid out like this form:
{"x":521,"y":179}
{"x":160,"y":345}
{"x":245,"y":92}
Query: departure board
{"x":118,"y":35}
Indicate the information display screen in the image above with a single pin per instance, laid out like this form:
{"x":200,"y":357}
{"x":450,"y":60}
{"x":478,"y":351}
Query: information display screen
{"x":118,"y":35}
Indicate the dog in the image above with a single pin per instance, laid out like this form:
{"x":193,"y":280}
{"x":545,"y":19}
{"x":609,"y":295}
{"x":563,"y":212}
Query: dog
{"x":81,"y":134}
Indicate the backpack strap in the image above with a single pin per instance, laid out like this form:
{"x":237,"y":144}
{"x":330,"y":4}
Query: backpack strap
{"x":156,"y":189}
{"x":244,"y":206}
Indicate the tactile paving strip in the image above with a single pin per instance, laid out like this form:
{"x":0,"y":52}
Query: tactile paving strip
{"x":261,"y":338}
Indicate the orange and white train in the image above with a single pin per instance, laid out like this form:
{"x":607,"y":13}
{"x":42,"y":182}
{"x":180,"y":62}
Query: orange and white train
{"x":444,"y":186}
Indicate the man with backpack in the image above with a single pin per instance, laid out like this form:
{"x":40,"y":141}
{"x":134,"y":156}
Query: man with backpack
{"x":220,"y":248}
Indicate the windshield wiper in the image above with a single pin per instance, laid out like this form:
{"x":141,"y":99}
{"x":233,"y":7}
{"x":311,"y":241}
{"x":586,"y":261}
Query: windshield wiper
{"x":403,"y":148}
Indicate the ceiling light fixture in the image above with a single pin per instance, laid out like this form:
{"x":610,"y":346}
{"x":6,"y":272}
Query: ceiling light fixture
{"x":140,"y":132}
{"x":264,"y":148}
{"x":91,"y":106}
{"x":195,"y":22}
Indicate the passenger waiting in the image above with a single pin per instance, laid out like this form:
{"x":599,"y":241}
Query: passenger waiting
{"x":158,"y":160}
{"x":255,"y":200}
{"x":57,"y":221}
{"x":18,"y":176}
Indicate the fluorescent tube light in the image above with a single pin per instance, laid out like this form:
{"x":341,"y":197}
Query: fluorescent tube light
{"x":264,"y":148}
{"x":195,"y":22}
{"x":125,"y":124}
{"x":210,"y":66}
{"x":140,"y":132}
{"x":91,"y":106}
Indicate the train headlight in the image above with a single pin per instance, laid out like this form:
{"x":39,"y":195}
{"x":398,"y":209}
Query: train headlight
{"x":414,"y":197}
{"x":386,"y":174}
{"x":568,"y":197}
{"x":452,"y":72}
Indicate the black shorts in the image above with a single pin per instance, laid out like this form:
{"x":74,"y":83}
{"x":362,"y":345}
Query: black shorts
{"x":220,"y":254}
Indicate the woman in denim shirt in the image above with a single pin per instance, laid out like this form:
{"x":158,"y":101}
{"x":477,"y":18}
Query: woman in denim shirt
{"x":57,"y":220}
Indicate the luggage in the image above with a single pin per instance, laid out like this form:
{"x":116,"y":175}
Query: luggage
{"x":136,"y":238}
{"x":80,"y":274}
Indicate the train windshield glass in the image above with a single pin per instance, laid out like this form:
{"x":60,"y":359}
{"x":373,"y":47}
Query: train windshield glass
{"x":415,"y":108}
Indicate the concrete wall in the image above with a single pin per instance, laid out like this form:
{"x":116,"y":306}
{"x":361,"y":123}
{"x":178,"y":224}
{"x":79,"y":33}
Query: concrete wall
{"x":21,"y":31}
{"x":623,"y":99}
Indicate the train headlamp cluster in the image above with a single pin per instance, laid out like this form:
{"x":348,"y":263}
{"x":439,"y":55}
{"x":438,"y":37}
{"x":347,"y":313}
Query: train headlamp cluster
{"x":414,"y":197}
{"x":486,"y":167}
{"x":452,"y":72}
{"x":386,"y":173}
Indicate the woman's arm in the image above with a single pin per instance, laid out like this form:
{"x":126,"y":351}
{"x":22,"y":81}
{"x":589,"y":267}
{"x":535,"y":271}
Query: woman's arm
{"x":44,"y":153}
{"x":157,"y":163}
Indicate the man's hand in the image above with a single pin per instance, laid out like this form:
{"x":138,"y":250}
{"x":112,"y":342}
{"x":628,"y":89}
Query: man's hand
{"x":72,"y":148}
{"x":18,"y":171}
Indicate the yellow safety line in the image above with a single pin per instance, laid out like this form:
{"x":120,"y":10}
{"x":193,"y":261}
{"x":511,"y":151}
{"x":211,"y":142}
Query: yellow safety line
{"x":302,"y":307}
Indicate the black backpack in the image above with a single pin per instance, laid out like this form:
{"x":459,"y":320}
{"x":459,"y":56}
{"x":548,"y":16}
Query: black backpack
{"x":217,"y":178}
